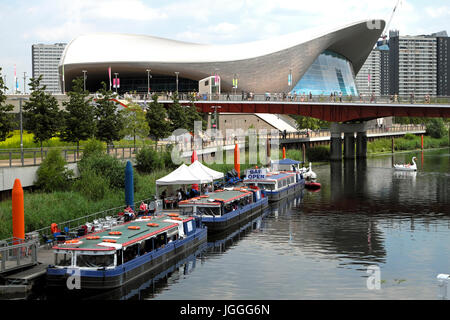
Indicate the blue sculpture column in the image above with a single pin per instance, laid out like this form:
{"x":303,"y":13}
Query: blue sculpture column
{"x":129,"y":186}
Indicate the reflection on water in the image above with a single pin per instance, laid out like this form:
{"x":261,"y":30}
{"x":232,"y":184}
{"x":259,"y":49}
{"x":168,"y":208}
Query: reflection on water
{"x":320,"y":245}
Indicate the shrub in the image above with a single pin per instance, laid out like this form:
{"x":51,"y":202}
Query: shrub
{"x":436,"y":128}
{"x":92,"y":147}
{"x":318,"y":154}
{"x":148,"y":160}
{"x":105,"y":166}
{"x":92,"y":185}
{"x":409,"y":136}
{"x":52,"y":174}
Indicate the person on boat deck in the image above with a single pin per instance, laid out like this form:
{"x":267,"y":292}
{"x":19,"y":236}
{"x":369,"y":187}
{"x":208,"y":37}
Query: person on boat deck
{"x":129,"y":214}
{"x":143,"y":207}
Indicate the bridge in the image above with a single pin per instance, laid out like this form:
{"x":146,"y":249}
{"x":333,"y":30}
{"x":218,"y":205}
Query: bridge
{"x":347,"y":117}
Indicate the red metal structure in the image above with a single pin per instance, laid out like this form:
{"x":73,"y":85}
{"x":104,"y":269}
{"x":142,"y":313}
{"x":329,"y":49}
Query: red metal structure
{"x":333,"y":112}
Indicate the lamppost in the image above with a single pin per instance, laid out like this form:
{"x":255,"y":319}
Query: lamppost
{"x":116,"y":74}
{"x":21,"y":127}
{"x":148,"y":80}
{"x":84,"y":79}
{"x":24,"y":81}
{"x":177,"y":73}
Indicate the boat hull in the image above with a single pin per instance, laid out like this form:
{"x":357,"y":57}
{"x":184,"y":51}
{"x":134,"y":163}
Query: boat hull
{"x":131,"y":270}
{"x":231,"y":219}
{"x":277,"y":195}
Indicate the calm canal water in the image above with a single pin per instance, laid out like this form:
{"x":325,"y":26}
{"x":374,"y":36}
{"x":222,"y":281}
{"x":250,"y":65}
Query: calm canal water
{"x":319,"y":245}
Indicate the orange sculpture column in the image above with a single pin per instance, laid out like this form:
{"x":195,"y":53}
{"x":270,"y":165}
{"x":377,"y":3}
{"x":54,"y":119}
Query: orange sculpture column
{"x":18,"y":216}
{"x":237,"y":160}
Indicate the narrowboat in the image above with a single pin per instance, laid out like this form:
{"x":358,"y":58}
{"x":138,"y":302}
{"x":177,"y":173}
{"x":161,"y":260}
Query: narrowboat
{"x":275,"y":185}
{"x":115,"y":256}
{"x":224,"y":208}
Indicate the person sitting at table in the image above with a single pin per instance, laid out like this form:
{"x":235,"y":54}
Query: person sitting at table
{"x":163,"y":196}
{"x":129,"y":214}
{"x":143,"y":208}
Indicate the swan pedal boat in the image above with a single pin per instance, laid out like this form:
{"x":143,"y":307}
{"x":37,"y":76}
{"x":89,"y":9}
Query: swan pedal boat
{"x":407,"y":167}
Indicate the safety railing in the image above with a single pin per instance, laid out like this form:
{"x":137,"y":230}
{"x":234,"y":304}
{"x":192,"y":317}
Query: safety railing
{"x":15,"y":253}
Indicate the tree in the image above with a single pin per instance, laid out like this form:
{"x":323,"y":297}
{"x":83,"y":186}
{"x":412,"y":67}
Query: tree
{"x":157,"y":119}
{"x":41,"y":113}
{"x":436,"y":128}
{"x":79,"y":115}
{"x":109,"y":122}
{"x":193,"y":115}
{"x":309,"y":123}
{"x":52,"y":174}
{"x":177,"y":115}
{"x":135,"y":123}
{"x":7,"y":122}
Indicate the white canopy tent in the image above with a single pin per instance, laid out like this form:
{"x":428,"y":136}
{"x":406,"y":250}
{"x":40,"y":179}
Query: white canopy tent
{"x":198,"y":167}
{"x":183,"y":175}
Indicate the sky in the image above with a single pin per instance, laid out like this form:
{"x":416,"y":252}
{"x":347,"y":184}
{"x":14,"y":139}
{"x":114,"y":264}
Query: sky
{"x":27,"y":22}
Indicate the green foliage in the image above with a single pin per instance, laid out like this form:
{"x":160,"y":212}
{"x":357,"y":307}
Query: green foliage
{"x":193,"y":115}
{"x":319,"y":153}
{"x":177,"y":115}
{"x":148,"y":160}
{"x":109,"y":122}
{"x":409,"y":136}
{"x":7,"y":121}
{"x":135,"y":123}
{"x":436,"y":128}
{"x":79,"y":114}
{"x":105,"y":166}
{"x":52,"y":174}
{"x":157,"y":119}
{"x":92,"y":185}
{"x":41,"y":112}
{"x":93,"y":147}
{"x":309,"y":123}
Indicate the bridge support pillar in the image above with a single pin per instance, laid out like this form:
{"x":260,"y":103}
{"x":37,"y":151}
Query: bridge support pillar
{"x":349,"y":130}
{"x":361,"y":145}
{"x":336,"y":147}
{"x":349,"y":145}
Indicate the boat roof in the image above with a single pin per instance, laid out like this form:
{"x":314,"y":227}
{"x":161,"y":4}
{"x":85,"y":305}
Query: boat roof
{"x":271,"y":177}
{"x":139,"y":230}
{"x":216,"y":197}
{"x":286,"y":161}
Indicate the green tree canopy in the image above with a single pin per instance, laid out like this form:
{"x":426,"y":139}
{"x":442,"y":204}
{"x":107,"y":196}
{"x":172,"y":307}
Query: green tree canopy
{"x":157,"y":119}
{"x":109,"y":122}
{"x":7,"y":122}
{"x":177,"y":115}
{"x":41,"y":113}
{"x":135,"y":123}
{"x":309,"y":123}
{"x":79,"y":115}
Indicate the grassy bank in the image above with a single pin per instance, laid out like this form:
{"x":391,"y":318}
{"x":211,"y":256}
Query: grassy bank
{"x":42,"y":209}
{"x":408,"y":142}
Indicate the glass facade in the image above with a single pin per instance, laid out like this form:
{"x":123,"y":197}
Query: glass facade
{"x":330,"y":73}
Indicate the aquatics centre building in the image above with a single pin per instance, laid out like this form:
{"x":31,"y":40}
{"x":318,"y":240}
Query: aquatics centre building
{"x":316,"y":61}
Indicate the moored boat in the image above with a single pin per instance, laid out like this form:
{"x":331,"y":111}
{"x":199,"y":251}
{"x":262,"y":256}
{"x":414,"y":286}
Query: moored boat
{"x":277,"y":185}
{"x":222,"y":209}
{"x":111,"y":258}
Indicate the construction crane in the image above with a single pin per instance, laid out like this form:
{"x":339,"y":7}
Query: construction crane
{"x":386,"y":29}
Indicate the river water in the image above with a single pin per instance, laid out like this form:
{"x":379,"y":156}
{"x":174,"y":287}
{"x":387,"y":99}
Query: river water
{"x":326,"y":244}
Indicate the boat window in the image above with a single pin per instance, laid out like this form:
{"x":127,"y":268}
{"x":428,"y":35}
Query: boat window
{"x":95,"y":261}
{"x":208,"y":211}
{"x":130,"y":252}
{"x":160,"y":240}
{"x":119,"y":257}
{"x":63,"y":259}
{"x":186,"y":210}
{"x":267,"y":186}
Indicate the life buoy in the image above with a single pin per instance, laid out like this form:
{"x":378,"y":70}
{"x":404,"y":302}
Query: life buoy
{"x":115,"y":233}
{"x":134,"y":227}
{"x":110,"y":240}
{"x":218,"y":190}
{"x":219,"y":200}
{"x":74,"y":241}
{"x":177,"y":218}
{"x":173,"y":214}
{"x":204,"y":196}
{"x":93,"y":238}
{"x":152,"y":224}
